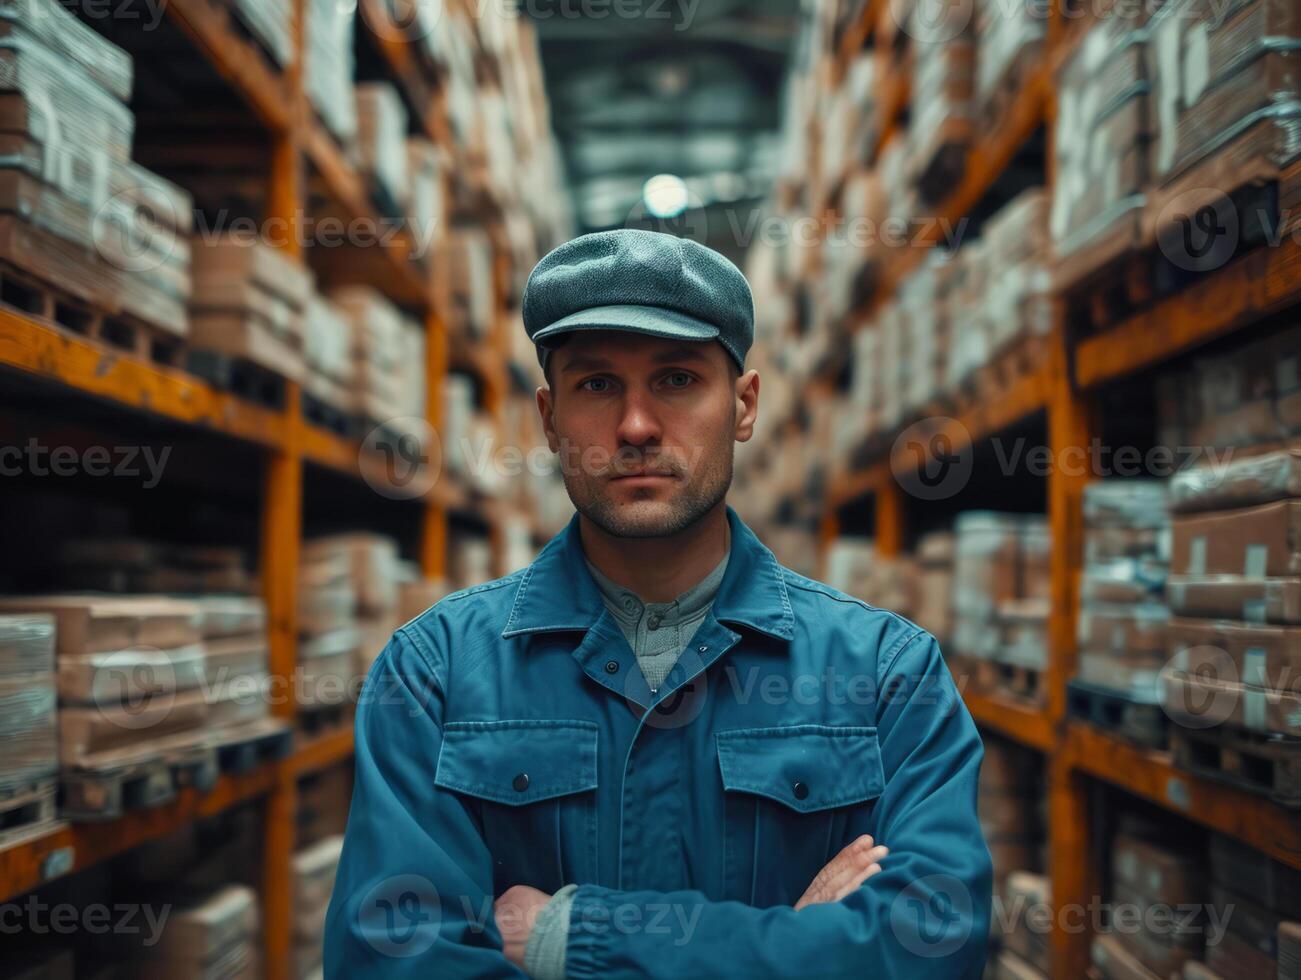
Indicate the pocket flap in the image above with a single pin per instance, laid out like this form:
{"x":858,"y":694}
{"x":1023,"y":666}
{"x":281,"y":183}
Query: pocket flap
{"x":518,"y":761}
{"x":805,"y":767}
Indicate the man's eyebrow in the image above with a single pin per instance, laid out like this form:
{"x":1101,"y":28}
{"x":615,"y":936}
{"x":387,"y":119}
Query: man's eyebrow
{"x":591,"y":362}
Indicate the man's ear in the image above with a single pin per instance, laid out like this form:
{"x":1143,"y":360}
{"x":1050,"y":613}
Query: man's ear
{"x":747,"y":405}
{"x":546,"y":412}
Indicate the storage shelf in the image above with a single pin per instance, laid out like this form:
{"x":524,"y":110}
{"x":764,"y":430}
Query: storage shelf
{"x":1243,"y":292}
{"x":386,"y":264}
{"x":21,"y":865}
{"x":988,"y":159}
{"x":49,"y":352}
{"x":1018,"y":720}
{"x":1252,"y":819}
{"x":986,"y":418}
{"x":236,"y":58}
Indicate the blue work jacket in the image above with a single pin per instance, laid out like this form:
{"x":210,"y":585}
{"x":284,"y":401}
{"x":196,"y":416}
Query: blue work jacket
{"x":507,"y":736}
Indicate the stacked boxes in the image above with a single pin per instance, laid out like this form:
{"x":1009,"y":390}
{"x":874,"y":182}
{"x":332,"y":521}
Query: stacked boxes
{"x":1235,"y":648}
{"x":1017,"y":305}
{"x":75,"y":212}
{"x":236,"y":668}
{"x":1099,"y":147}
{"x":249,"y":303}
{"x":855,"y":568}
{"x":330,"y":69}
{"x":1001,"y":600}
{"x":314,"y":869}
{"x":349,"y":607}
{"x":1147,"y":878}
{"x":130,"y":681}
{"x":1225,"y":105}
{"x":381,"y":145}
{"x":1007,"y":38}
{"x":1123,"y":616}
{"x":217,"y":935}
{"x":426,"y":209}
{"x":389,"y":356}
{"x":28,"y":721}
{"x":467,"y":281}
{"x":327,"y":623}
{"x":136,"y":565}
{"x":1249,"y":396}
{"x":935,"y":584}
{"x":1025,"y":954}
{"x":1259,"y":904}
{"x":943,"y":80}
{"x":328,"y":372}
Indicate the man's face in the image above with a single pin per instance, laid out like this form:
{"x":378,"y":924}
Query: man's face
{"x":645,"y":428}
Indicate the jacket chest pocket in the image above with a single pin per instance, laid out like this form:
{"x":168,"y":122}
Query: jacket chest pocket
{"x":532,"y":784}
{"x":793,"y":797}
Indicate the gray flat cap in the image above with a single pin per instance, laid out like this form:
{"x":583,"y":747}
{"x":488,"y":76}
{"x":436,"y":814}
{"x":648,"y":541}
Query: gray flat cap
{"x":643,"y":281}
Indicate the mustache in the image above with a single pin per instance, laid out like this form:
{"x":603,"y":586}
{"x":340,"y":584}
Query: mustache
{"x":622,"y":464}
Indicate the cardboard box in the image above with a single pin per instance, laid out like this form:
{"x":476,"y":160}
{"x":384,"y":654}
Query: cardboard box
{"x":1114,"y":961}
{"x":1262,"y":656}
{"x":26,"y":644}
{"x":131,"y":674}
{"x":1242,"y":482}
{"x":119,"y":735}
{"x":98,"y":624}
{"x":1275,"y":600}
{"x":1157,"y":873}
{"x":1255,"y":542}
{"x":1198,"y":702}
{"x":1247,"y":871}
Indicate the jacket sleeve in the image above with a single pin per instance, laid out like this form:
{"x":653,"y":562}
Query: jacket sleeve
{"x":925,"y":915}
{"x":413,"y":892}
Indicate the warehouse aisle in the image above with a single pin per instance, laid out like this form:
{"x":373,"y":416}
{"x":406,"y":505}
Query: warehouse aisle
{"x":1026,"y":295}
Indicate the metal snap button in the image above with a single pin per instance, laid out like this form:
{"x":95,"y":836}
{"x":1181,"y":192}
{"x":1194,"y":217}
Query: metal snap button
{"x":703,"y":649}
{"x":653,"y":622}
{"x":612,"y":666}
{"x":800,"y":790}
{"x":521,"y":782}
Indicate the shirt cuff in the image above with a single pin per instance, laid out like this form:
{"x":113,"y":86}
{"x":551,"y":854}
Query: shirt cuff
{"x":544,"y":953}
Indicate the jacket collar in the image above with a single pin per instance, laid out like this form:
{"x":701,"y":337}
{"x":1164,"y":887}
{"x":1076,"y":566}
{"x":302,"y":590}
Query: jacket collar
{"x":557,"y":592}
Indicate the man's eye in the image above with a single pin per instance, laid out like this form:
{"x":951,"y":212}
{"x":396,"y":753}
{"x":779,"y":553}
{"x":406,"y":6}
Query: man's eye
{"x":678,"y":379}
{"x":600,"y":383}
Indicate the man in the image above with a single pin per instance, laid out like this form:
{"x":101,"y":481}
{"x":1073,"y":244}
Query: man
{"x":655,"y":751}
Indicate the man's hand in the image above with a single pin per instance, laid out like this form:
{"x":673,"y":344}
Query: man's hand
{"x":857,"y":862}
{"x":516,"y":911}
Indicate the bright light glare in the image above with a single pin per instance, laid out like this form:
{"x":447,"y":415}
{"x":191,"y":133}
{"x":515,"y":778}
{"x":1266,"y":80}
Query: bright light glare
{"x":665,"y":195}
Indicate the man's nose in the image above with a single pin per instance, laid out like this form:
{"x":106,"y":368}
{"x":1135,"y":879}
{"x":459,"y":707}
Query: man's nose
{"x":638,"y":423}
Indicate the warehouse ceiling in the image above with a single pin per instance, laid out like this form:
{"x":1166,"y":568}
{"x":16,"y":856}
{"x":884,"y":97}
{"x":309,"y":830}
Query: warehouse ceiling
{"x":689,"y":88}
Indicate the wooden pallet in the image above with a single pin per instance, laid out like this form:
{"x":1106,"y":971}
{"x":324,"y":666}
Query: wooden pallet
{"x":27,"y":808}
{"x":1269,"y":765}
{"x":239,"y":377}
{"x":247,"y":747}
{"x":1142,"y":722}
{"x":109,"y":791}
{"x":122,"y":333}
